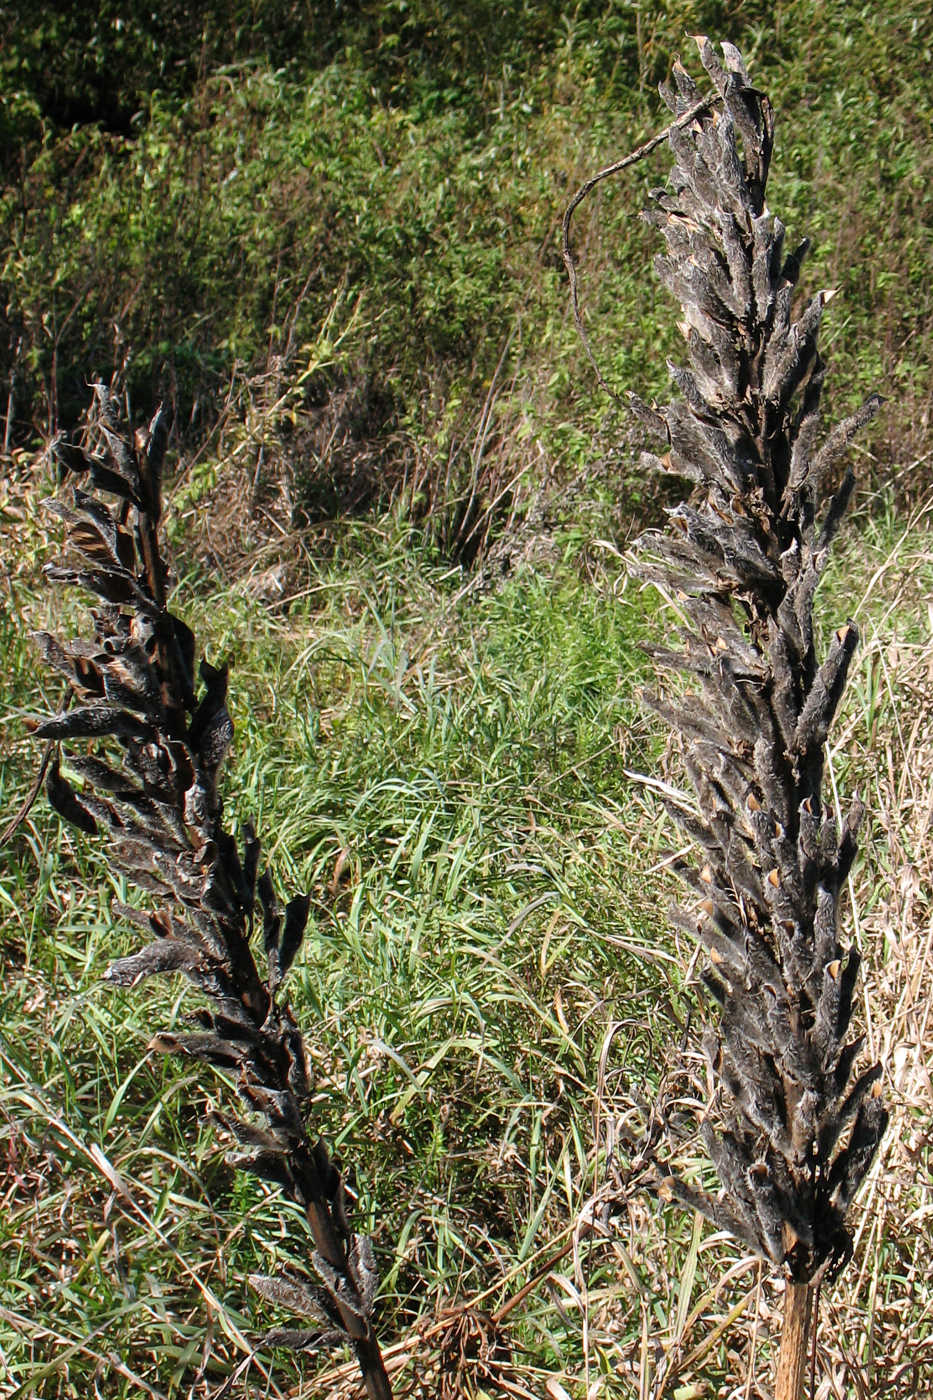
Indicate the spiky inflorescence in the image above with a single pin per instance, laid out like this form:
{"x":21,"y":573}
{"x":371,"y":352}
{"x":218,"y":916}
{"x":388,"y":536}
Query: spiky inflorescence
{"x":790,"y":1133}
{"x":153,"y":788}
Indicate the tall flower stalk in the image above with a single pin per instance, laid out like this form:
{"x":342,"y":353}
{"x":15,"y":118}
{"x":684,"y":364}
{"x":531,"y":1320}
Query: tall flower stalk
{"x":146,"y":732}
{"x":793,"y":1126}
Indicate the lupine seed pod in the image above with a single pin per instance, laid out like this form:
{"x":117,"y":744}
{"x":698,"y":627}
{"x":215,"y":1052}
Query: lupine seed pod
{"x":153,"y":790}
{"x":790,"y":1137}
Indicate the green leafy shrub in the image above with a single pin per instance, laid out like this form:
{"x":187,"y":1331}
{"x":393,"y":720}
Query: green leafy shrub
{"x":417,"y":155}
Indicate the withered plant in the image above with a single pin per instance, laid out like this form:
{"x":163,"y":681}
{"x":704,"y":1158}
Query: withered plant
{"x":146,"y":731}
{"x":793,"y":1125}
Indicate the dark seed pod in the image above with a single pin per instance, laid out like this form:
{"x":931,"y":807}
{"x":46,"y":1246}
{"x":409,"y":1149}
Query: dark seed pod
{"x":155,"y":792}
{"x":745,"y":556}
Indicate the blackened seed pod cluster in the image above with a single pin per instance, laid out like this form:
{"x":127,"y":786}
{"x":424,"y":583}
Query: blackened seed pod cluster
{"x":146,"y":733}
{"x":793,"y":1128}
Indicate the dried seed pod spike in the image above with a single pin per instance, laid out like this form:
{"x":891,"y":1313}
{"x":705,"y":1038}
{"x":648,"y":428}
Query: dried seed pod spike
{"x":160,"y":804}
{"x":754,"y":733}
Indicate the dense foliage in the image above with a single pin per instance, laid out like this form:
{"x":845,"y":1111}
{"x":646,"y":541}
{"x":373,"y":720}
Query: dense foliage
{"x":192,"y":194}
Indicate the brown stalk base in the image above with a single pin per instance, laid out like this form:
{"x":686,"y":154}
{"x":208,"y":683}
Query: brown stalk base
{"x":375,"y":1377}
{"x":795,"y":1337}
{"x":359,"y":1329}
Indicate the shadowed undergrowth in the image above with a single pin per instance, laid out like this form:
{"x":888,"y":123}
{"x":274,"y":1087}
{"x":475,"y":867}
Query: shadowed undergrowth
{"x":321,"y":264}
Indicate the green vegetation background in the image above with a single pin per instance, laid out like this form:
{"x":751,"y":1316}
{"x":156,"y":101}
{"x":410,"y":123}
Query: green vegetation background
{"x":190,"y":192}
{"x":327,"y":234}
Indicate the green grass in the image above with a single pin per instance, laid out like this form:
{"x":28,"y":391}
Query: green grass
{"x":443,"y":774}
{"x":487,"y":984}
{"x":488,"y":981}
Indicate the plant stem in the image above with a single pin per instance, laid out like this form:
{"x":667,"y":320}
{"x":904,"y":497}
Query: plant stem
{"x":359,"y":1329}
{"x":372,"y":1366}
{"x":795,"y":1335}
{"x":170,"y":745}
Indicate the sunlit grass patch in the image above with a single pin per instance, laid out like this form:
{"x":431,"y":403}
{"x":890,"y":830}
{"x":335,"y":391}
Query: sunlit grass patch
{"x":443,"y":771}
{"x":435,"y":770}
